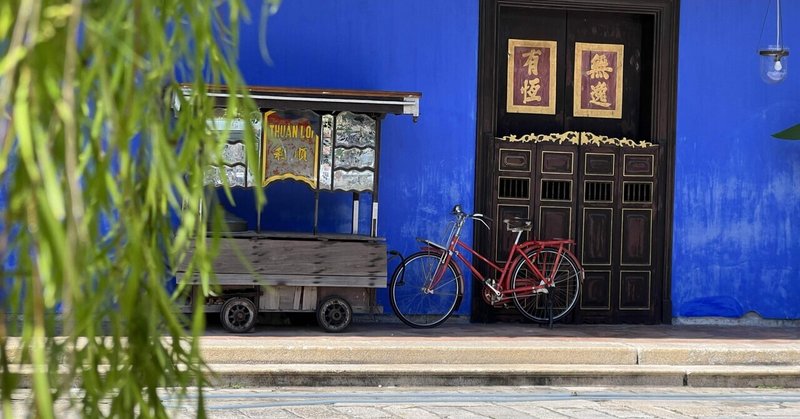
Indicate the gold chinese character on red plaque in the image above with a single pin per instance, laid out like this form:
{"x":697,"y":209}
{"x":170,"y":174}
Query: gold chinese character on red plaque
{"x":531,"y":85}
{"x":598,"y":80}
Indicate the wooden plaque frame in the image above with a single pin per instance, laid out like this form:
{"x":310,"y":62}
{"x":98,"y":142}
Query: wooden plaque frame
{"x":545,"y":77}
{"x":606,"y":76}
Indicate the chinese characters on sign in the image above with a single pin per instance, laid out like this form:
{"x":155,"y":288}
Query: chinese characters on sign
{"x":598,"y":80}
{"x":531,"y":77}
{"x":291,"y":146}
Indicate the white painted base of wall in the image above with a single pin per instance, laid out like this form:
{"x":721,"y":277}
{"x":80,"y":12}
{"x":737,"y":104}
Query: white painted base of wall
{"x":749,"y":319}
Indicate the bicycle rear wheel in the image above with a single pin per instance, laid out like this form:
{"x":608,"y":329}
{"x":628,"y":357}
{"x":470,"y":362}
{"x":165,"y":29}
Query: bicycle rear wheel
{"x":411,"y":300}
{"x":563,"y":294}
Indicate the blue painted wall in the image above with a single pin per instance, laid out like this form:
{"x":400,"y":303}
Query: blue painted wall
{"x":737,"y":190}
{"x":402,"y":45}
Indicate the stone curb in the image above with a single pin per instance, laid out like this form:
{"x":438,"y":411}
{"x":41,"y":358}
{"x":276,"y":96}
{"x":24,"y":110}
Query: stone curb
{"x":545,"y":353}
{"x":417,"y":354}
{"x":720,"y":355}
{"x":248,"y":375}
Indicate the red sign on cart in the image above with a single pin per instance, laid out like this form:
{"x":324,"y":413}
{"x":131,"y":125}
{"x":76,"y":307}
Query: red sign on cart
{"x":291,"y":146}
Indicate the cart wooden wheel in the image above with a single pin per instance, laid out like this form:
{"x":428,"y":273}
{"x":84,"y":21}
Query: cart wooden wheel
{"x":334,"y":314}
{"x":238,"y":315}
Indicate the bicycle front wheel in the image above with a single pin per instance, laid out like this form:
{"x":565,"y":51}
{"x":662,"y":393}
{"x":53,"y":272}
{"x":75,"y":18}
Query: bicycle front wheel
{"x":564,"y":292}
{"x":414,"y":300}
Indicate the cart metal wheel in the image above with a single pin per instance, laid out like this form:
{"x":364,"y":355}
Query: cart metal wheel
{"x":238,"y":315}
{"x":334,"y":314}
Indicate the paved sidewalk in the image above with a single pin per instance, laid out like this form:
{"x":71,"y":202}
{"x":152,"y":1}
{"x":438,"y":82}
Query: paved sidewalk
{"x":465,"y":402}
{"x":507,"y":354}
{"x":497,"y":402}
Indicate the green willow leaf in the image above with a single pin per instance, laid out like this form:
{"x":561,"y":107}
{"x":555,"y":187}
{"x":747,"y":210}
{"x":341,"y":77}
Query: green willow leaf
{"x":11,"y":59}
{"x":791,"y":133}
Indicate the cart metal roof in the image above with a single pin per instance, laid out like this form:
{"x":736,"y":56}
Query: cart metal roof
{"x":359,"y":101}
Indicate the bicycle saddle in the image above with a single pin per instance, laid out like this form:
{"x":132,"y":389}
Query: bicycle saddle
{"x":517,"y":224}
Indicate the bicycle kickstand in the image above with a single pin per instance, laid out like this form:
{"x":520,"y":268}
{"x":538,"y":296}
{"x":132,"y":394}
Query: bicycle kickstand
{"x":549,"y":311}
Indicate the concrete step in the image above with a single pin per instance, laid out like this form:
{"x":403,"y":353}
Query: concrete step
{"x":510,"y":351}
{"x":507,"y":354}
{"x":504,"y":354}
{"x":404,"y":375}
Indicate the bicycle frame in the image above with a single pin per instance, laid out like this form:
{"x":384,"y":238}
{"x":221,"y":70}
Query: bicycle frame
{"x":501,"y":288}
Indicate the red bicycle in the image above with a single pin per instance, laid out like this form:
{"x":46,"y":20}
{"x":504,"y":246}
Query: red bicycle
{"x":542,"y":277}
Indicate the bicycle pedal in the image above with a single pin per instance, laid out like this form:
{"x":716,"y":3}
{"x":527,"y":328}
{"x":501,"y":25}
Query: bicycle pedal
{"x":541,"y":291}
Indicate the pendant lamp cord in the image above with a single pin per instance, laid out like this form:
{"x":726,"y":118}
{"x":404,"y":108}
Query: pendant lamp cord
{"x":778,"y":18}
{"x":779,"y":32}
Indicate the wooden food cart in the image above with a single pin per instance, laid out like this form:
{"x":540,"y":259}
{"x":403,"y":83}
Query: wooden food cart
{"x":328,"y":140}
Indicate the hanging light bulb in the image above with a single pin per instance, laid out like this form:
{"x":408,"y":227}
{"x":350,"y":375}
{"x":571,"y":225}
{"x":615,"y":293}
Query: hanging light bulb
{"x":774,"y":58}
{"x":774,"y":62}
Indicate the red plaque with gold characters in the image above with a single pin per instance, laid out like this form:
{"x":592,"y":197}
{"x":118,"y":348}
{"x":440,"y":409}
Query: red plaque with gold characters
{"x":531,"y":86}
{"x":598,"y":80}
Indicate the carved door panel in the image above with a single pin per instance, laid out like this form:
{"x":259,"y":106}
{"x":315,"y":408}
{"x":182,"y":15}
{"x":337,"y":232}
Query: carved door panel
{"x":617,"y":239}
{"x":514,"y":178}
{"x":639,"y":286}
{"x":537,"y":182}
{"x":598,"y":230}
{"x":555,"y":201}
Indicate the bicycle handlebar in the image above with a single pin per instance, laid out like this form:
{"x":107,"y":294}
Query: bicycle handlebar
{"x":459,"y":212}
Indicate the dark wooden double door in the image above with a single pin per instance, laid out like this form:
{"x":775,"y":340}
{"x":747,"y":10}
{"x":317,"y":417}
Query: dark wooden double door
{"x":580,"y":177}
{"x":603,"y":198}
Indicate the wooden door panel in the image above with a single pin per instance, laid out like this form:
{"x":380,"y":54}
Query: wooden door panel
{"x":596,"y":293}
{"x":555,"y":222}
{"x":503,"y":237}
{"x":637,"y":237}
{"x":635,"y":290}
{"x":596,"y":241}
{"x":599,"y":163}
{"x":557,"y":162}
{"x":514,"y":160}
